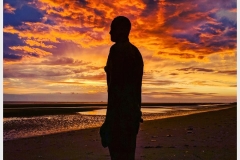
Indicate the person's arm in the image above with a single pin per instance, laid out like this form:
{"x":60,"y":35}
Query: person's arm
{"x":139,"y":79}
{"x":140,"y":93}
{"x":107,"y":75}
{"x":107,"y":68}
{"x":139,"y":84}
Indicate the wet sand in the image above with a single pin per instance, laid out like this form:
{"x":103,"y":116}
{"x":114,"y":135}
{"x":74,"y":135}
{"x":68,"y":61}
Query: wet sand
{"x":208,"y":135}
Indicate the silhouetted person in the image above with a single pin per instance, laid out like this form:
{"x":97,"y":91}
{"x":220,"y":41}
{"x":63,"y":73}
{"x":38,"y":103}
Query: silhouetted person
{"x":124,"y":71}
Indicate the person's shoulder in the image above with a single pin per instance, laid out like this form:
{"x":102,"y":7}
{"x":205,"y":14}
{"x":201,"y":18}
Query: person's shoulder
{"x":112,"y":47}
{"x":138,"y":53}
{"x":135,"y":48}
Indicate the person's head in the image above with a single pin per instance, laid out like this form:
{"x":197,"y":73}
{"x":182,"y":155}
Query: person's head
{"x":120,"y":29}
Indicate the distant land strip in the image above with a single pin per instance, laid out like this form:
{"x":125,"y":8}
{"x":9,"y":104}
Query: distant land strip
{"x":29,"y":109}
{"x":8,"y":104}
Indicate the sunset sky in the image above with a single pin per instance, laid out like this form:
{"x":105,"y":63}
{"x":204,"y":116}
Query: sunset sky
{"x":55,"y":50}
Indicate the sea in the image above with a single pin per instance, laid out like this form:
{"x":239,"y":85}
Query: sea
{"x":84,"y":116}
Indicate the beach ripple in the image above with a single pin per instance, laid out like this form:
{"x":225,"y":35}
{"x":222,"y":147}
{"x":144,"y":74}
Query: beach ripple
{"x":23,"y":127}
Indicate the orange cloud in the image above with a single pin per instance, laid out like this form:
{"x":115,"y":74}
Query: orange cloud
{"x":32,"y":50}
{"x":153,"y":25}
{"x":38,"y":44}
{"x":8,"y":8}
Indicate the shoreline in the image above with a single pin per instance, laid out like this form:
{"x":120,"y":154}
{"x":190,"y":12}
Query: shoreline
{"x":28,"y":109}
{"x":208,"y":135}
{"x":19,"y":129}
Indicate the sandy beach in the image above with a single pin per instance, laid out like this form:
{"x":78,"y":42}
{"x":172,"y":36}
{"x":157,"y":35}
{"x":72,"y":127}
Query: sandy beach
{"x":208,"y":135}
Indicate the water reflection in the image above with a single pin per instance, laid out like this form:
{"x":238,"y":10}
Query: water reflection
{"x":144,"y":110}
{"x":94,"y":112}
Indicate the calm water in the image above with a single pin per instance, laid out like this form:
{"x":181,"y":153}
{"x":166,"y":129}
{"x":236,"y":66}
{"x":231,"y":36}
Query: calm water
{"x":22,"y":127}
{"x":144,"y":110}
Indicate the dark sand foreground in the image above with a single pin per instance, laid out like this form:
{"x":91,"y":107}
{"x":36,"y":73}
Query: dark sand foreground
{"x":208,"y":136}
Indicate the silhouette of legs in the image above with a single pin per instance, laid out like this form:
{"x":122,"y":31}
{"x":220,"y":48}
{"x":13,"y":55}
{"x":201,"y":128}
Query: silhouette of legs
{"x":122,"y":145}
{"x":122,"y":155}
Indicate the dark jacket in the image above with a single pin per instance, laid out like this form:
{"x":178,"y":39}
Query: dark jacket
{"x":124,"y":79}
{"x":124,"y":71}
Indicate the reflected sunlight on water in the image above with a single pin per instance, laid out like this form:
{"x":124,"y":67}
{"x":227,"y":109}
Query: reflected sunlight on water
{"x":94,"y":112}
{"x":144,"y":110}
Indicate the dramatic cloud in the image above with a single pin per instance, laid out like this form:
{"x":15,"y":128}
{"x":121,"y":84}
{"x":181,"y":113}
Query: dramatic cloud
{"x":60,"y":42}
{"x":64,"y":61}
